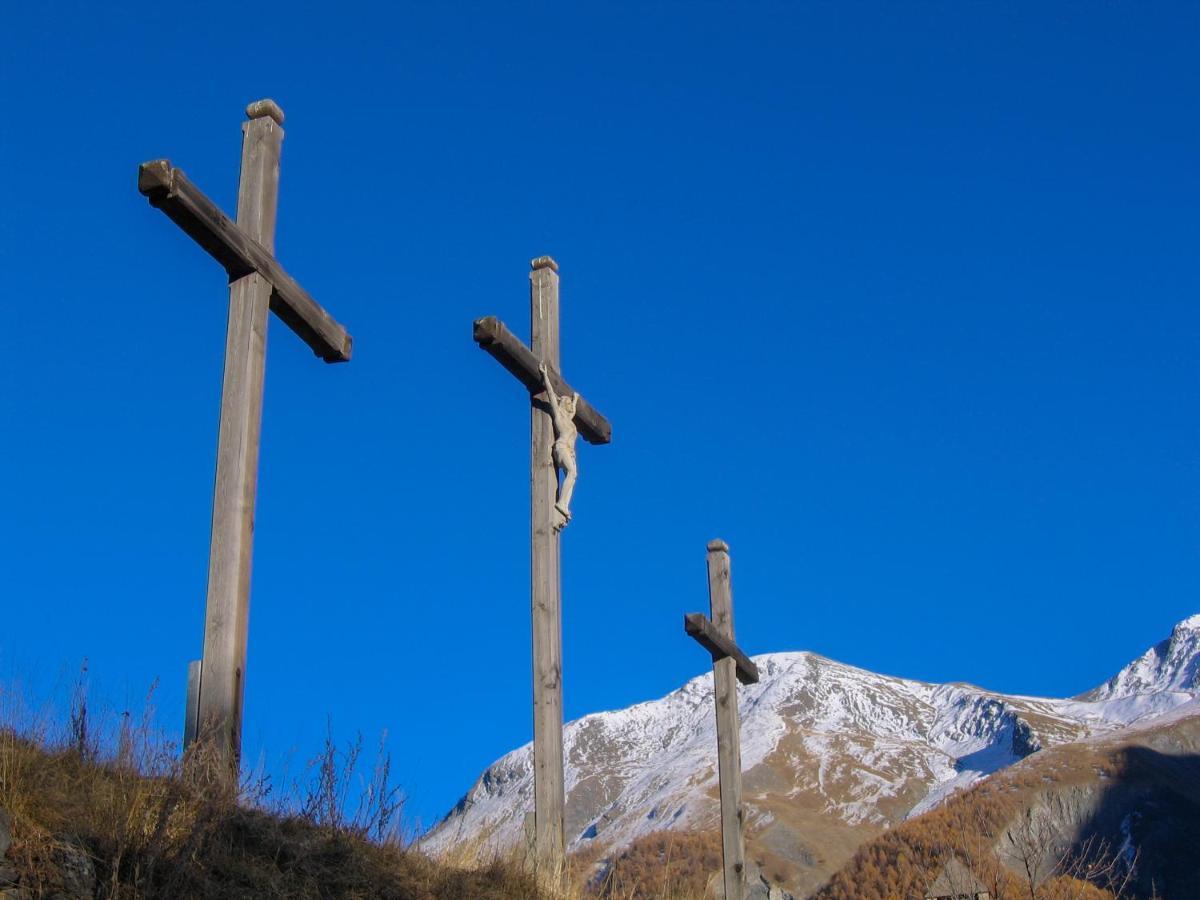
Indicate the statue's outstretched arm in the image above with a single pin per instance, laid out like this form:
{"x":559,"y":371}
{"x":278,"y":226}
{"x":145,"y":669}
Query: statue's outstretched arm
{"x":549,"y":388}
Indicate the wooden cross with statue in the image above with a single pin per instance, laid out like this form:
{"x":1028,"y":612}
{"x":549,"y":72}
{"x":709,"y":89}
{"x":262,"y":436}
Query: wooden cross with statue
{"x":558,"y":412}
{"x":257,"y":283}
{"x":729,"y":663}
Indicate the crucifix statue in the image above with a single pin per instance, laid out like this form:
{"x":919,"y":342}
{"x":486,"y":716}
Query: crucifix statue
{"x":257,"y":283}
{"x":562,"y":414}
{"x":729,"y":663}
{"x":558,"y":413}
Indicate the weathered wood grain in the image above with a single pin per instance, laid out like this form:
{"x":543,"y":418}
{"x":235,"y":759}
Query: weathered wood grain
{"x":546,"y":598}
{"x":238,"y":250}
{"x":507,"y":349}
{"x":706,"y":634}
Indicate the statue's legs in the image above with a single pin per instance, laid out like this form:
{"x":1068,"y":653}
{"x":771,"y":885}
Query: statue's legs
{"x":564,"y":458}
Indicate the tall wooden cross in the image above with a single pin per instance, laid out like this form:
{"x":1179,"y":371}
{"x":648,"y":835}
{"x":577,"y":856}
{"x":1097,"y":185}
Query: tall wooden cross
{"x":729,"y":663}
{"x":525,"y":363}
{"x":257,"y":282}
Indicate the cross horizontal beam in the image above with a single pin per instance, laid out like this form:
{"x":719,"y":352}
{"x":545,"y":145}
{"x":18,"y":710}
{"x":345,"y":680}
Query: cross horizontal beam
{"x":493,"y":336}
{"x":167,"y":188}
{"x":706,"y":635}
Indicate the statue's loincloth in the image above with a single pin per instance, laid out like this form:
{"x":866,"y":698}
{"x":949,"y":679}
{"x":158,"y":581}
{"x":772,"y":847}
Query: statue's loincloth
{"x":563,"y":449}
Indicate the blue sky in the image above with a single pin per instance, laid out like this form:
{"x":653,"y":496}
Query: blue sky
{"x":899,"y":299}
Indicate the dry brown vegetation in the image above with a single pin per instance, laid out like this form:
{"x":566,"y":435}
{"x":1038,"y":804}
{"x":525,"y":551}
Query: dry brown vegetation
{"x":112,"y":811}
{"x":667,"y":865}
{"x":132,"y":821}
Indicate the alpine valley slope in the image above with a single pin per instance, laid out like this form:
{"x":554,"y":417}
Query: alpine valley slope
{"x":831,"y":755}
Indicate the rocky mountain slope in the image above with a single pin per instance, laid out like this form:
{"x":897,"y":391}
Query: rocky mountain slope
{"x":1121,"y":809}
{"x":832,"y":755}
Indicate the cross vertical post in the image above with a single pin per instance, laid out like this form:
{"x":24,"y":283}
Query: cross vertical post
{"x":227,"y":611}
{"x":546,"y":600}
{"x":730,"y":665}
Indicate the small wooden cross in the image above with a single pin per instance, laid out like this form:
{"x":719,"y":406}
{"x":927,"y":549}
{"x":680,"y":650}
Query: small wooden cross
{"x":524,"y":363}
{"x":256,"y":283}
{"x":729,"y":662}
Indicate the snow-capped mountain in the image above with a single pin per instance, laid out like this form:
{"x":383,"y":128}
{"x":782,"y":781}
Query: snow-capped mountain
{"x":1170,"y":665}
{"x":831,"y":754}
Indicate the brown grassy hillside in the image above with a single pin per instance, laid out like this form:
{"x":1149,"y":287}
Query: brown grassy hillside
{"x":130,"y":826}
{"x":667,"y":865}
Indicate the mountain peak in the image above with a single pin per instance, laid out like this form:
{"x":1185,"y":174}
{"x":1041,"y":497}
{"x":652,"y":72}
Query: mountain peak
{"x":1170,"y":665}
{"x":1191,"y":623}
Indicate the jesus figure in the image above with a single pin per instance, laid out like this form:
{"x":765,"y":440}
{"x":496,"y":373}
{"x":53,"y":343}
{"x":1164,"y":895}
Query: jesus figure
{"x":562,"y":410}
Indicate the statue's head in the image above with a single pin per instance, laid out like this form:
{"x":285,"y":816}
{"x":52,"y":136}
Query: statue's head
{"x":568,"y":404}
